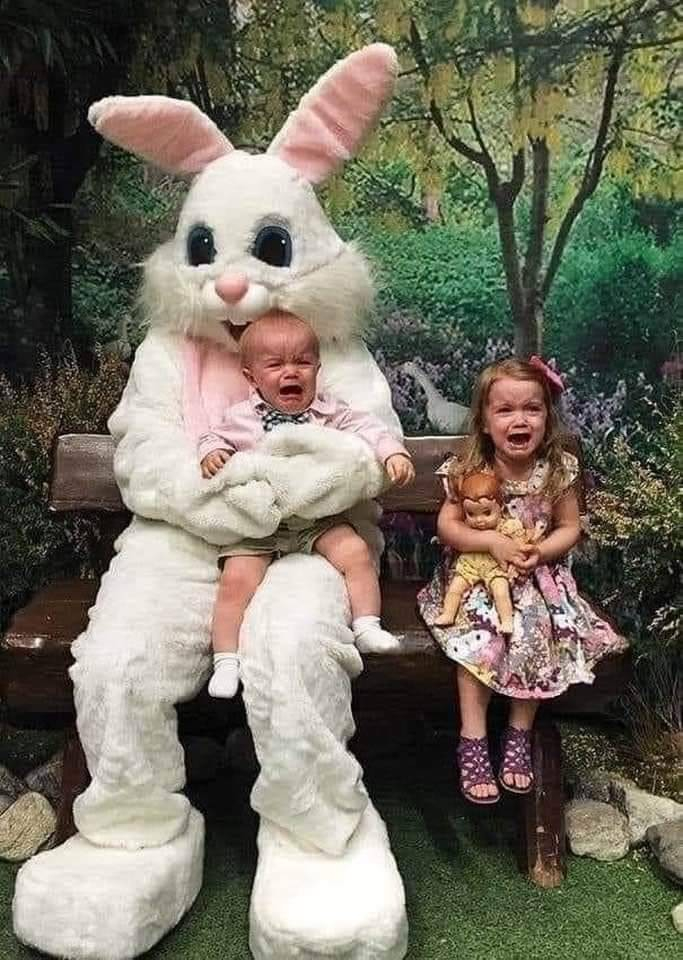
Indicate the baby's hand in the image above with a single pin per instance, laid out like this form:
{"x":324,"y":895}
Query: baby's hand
{"x":400,"y":469}
{"x":213,"y":462}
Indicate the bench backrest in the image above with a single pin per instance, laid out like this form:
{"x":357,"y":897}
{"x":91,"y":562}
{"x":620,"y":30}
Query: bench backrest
{"x":83,"y":479}
{"x":83,"y":475}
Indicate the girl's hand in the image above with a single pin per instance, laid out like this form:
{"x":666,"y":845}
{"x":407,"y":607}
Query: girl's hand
{"x":505,"y":550}
{"x":400,"y":469}
{"x":213,"y":462}
{"x":529,"y":559}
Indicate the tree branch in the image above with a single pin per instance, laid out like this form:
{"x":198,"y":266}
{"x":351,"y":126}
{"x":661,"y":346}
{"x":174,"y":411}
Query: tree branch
{"x":434,"y":111}
{"x":592,"y":170}
{"x":488,"y":162}
{"x":513,"y":186}
{"x":408,"y":118}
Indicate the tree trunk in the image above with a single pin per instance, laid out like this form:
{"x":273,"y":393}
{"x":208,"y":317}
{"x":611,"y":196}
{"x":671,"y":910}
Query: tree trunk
{"x":529,"y":330}
{"x":508,"y":246}
{"x":431,"y":204}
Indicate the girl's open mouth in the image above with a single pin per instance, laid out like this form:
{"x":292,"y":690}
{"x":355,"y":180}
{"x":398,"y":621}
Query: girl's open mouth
{"x":519,"y":438}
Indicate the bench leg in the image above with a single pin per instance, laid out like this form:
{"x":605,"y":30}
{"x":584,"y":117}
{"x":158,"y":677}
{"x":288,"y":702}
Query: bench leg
{"x":75,"y":779}
{"x":542,"y":856}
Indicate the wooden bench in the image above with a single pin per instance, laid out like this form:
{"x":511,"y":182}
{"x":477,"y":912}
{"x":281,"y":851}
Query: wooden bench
{"x":35,"y":651}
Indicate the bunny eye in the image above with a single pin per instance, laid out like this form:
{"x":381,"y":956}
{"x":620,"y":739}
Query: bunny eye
{"x":200,"y":246}
{"x":273,"y":245}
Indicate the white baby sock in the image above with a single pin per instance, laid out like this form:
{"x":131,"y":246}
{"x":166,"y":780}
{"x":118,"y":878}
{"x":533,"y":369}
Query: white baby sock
{"x":371,"y":638}
{"x":223,"y":684}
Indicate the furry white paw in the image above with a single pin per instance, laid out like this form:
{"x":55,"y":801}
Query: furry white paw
{"x":310,"y":905}
{"x":101,"y":903}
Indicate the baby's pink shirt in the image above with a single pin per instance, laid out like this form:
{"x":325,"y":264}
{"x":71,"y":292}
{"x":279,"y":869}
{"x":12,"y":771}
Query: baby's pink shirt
{"x":242,"y":426}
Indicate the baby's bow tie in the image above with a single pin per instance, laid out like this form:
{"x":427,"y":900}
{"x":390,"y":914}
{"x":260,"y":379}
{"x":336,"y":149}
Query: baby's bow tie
{"x":273,"y":418}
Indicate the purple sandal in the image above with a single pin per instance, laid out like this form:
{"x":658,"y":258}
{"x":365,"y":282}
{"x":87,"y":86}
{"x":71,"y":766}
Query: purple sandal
{"x":475,"y":768}
{"x":516,"y":759}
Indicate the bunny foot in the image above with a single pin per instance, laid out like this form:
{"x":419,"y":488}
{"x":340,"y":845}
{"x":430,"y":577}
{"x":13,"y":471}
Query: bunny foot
{"x":87,"y":902}
{"x":311,"y":905}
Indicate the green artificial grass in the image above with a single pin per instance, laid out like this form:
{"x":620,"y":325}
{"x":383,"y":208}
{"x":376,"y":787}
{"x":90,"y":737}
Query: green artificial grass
{"x":465,"y":896}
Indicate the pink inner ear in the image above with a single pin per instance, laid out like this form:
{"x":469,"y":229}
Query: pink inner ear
{"x":171,"y":134}
{"x":332,"y":120}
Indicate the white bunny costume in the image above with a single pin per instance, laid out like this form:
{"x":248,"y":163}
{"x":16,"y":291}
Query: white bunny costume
{"x":251,"y":238}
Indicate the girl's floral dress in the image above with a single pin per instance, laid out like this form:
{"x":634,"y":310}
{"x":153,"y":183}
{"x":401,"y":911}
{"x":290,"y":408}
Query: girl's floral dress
{"x":557,"y":637}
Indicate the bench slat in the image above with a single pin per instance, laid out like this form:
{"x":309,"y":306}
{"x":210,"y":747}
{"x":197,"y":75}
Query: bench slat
{"x":83,"y":475}
{"x":35,"y":655}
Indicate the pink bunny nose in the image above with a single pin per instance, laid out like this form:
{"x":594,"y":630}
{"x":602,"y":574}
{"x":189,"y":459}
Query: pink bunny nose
{"x":231,"y":287}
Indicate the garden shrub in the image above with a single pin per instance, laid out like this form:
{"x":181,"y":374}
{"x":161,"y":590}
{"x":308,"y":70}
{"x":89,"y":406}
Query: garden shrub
{"x":451,"y":275}
{"x":36,"y":546}
{"x":615,"y":309}
{"x":104,"y":298}
{"x":637,"y":524}
{"x":613,"y":312}
{"x":124,"y":210}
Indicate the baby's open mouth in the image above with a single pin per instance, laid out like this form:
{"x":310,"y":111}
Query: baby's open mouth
{"x":291,"y":390}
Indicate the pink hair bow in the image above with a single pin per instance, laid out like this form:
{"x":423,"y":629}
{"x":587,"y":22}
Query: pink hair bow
{"x":553,"y":378}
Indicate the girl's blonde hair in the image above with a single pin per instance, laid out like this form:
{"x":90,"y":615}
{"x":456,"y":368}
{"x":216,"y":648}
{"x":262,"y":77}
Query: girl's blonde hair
{"x":479,"y":453}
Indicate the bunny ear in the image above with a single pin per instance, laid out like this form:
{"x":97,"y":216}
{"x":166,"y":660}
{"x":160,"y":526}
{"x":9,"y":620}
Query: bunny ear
{"x":332,"y":119}
{"x":171,"y":134}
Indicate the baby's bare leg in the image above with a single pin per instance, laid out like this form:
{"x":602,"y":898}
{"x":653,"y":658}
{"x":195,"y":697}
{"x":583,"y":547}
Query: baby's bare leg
{"x":240,"y":578}
{"x":500,"y":589}
{"x":239,"y":581}
{"x":351,"y":556}
{"x":451,"y":602}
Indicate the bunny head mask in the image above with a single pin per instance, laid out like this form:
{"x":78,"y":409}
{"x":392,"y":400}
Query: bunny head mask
{"x":251,"y":236}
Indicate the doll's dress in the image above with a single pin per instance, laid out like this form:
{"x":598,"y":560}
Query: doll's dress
{"x":557,"y":637}
{"x":478,"y":567}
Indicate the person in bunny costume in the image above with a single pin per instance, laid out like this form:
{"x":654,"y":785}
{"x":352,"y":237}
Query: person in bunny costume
{"x":251,"y":238}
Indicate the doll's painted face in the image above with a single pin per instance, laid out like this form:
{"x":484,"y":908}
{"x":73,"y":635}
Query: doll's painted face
{"x":481,"y":514}
{"x":282,"y":363}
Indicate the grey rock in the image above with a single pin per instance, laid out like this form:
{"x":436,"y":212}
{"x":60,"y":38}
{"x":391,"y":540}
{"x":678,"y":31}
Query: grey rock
{"x":642,"y":809}
{"x":5,"y":802}
{"x":25,"y":826}
{"x":203,"y":758}
{"x":596,"y":830}
{"x":47,"y":779}
{"x":677,"y":917}
{"x":10,"y":785}
{"x":239,"y":751}
{"x":592,"y":785}
{"x":666,"y":842}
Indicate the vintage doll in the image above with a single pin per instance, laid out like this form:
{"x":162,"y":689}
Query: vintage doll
{"x":556,"y":637}
{"x":280,"y":355}
{"x":482,"y":501}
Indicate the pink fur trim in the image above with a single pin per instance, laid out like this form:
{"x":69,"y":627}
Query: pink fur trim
{"x":171,"y":134}
{"x":212,"y":382}
{"x":334,"y":117}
